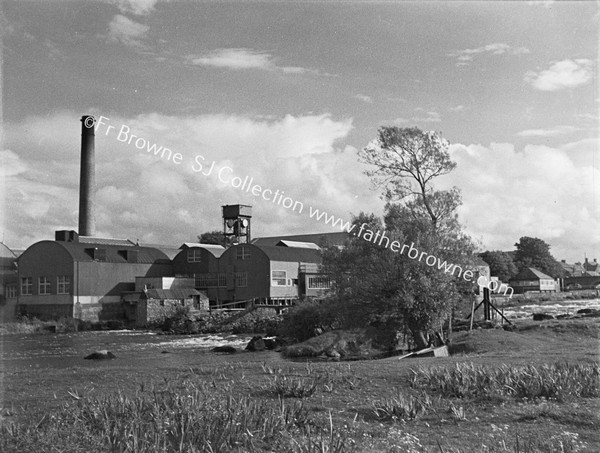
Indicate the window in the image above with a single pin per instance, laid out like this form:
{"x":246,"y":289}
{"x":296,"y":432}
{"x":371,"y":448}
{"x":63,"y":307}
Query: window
{"x":279,"y":278}
{"x":26,"y":286}
{"x":43,"y":286}
{"x":319,"y":282}
{"x":241,"y":279}
{"x":11,"y":291}
{"x":243,"y":253}
{"x":210,"y":280}
{"x":63,"y":284}
{"x":194,"y":255}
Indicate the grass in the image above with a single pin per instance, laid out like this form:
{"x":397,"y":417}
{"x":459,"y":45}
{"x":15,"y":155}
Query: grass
{"x":191,"y":401}
{"x":467,"y":380}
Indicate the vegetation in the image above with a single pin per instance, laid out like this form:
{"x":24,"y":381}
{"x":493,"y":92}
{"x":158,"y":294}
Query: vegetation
{"x":533,"y":252}
{"x":215,"y":237}
{"x":380,"y":286}
{"x":501,"y":264}
{"x":558,"y":381}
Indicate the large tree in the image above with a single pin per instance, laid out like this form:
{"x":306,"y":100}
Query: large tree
{"x":534,"y":252}
{"x":376,"y":282}
{"x":406,"y":161}
{"x":501,"y":264}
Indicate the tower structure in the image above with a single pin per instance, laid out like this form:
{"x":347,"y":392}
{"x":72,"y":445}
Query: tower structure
{"x":237,"y":220}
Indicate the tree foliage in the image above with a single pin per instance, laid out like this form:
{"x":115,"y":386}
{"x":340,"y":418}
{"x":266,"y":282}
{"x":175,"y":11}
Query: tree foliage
{"x":406,"y":162}
{"x":377,"y":284}
{"x":534,"y":252}
{"x":501,"y":264}
{"x":212,"y":237}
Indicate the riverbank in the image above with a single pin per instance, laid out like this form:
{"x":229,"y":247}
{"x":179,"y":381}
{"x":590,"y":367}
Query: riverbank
{"x":370,"y":406}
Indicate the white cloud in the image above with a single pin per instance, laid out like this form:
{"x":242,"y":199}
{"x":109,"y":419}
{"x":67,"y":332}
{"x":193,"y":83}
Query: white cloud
{"x":420,"y":115}
{"x":543,"y":3}
{"x":124,"y":30}
{"x":137,"y":7}
{"x":561,"y":75}
{"x":465,"y":56}
{"x":241,"y":59}
{"x":458,"y":108}
{"x":551,"y":132}
{"x":364,"y":98}
{"x":508,"y":194}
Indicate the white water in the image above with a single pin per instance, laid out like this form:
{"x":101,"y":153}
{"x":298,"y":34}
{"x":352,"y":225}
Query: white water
{"x":564,"y":307}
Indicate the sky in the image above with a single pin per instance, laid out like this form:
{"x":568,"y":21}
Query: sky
{"x":286,"y":93}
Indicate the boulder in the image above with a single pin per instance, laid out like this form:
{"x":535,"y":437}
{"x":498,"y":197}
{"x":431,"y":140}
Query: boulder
{"x":256,"y":344}
{"x":332,"y":353}
{"x":588,"y":311}
{"x":224,"y":349}
{"x":542,"y":316}
{"x":270,"y":343}
{"x":100,"y":355}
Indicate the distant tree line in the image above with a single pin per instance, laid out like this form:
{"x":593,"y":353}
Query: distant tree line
{"x":530,"y":252}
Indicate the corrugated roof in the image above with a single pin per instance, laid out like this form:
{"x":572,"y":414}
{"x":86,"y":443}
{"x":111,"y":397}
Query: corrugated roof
{"x":216,"y":250}
{"x":304,"y":245}
{"x":334,"y":238}
{"x":145,"y":255}
{"x":293,"y":254}
{"x":173,"y":293}
{"x":106,"y":241}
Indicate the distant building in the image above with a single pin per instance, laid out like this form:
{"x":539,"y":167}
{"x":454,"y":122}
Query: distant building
{"x":83,"y":277}
{"x":531,"y":279}
{"x":156,"y":298}
{"x":8,"y":282}
{"x":591,"y":266}
{"x":277,"y":275}
{"x":572,"y":270}
{"x":320,"y":239}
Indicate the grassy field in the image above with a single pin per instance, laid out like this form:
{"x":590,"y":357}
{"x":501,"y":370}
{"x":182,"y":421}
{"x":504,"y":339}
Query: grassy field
{"x":535,"y":389}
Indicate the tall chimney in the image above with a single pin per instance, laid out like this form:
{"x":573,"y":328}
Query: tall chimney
{"x":87,"y":178}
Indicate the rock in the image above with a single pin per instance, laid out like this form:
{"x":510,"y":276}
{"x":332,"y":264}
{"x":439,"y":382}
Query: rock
{"x":270,"y":343}
{"x":588,"y":311}
{"x":542,"y":316}
{"x":100,"y":355}
{"x":256,"y":344}
{"x":224,"y":349}
{"x":332,"y":353}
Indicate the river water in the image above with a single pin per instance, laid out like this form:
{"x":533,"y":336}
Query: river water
{"x":63,"y":350}
{"x":66,"y":349}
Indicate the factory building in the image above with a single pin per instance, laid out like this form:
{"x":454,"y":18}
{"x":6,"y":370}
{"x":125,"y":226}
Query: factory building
{"x":83,"y":277}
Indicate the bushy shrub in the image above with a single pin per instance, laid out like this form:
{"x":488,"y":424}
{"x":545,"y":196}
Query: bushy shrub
{"x":308,"y":319}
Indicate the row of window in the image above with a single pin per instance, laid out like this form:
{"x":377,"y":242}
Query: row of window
{"x":63,"y":286}
{"x":533,"y":283}
{"x":278,"y":278}
{"x":195,"y":255}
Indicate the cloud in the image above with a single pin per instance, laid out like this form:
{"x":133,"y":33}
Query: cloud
{"x":561,"y":75}
{"x":458,"y":108}
{"x":124,"y":30}
{"x":465,"y":56}
{"x":421,"y":115}
{"x":551,"y":132}
{"x":509,"y":193}
{"x":137,"y":7}
{"x":242,"y":59}
{"x":543,"y":3}
{"x":364,"y":98}
{"x":141,"y":196}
